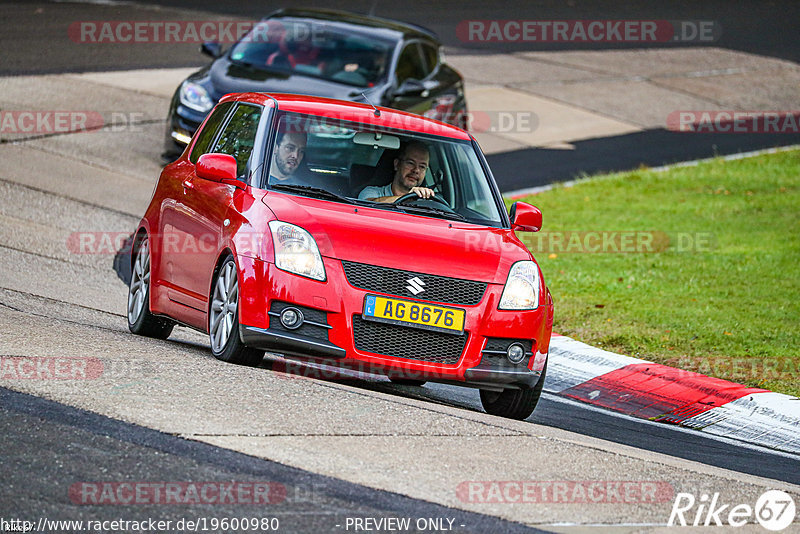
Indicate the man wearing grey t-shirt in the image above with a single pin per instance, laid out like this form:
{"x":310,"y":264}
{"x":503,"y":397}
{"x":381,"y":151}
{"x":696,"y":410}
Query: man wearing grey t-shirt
{"x":409,"y":171}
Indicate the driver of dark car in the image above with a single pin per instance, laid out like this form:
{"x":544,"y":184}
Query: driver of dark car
{"x":409,"y":172}
{"x":290,"y":148}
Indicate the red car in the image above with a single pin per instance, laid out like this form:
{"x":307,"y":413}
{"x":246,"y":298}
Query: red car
{"x":346,"y":234}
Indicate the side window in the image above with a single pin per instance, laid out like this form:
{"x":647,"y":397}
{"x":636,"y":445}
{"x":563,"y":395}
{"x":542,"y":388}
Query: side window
{"x":431,"y":55}
{"x":206,"y":136}
{"x":239,"y":135}
{"x":410,"y":64}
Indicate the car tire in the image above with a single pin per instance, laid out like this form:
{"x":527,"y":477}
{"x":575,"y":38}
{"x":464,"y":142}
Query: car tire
{"x":140,"y":320}
{"x":407,"y":381}
{"x":513,"y":403}
{"x":223,"y":319}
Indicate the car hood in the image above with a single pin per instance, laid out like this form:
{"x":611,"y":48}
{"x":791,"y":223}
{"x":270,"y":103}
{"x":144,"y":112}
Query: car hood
{"x":230,"y":77}
{"x":402,"y":241}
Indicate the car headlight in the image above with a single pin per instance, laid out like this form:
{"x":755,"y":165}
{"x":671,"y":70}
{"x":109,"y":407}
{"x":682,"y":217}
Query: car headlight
{"x":196,"y":97}
{"x":522,"y":287}
{"x":296,"y":251}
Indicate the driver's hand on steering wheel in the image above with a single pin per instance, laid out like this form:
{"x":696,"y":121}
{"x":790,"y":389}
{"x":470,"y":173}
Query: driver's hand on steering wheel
{"x":423,"y":192}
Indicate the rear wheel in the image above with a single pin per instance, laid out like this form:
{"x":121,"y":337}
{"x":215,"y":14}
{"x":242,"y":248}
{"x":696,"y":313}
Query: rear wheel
{"x":513,"y":403}
{"x":140,"y":320}
{"x":223,"y":319}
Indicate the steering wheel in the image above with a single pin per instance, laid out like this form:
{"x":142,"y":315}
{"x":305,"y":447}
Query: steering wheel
{"x":413,"y":196}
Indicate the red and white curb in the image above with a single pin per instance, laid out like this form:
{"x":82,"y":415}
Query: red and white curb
{"x":657,"y":392}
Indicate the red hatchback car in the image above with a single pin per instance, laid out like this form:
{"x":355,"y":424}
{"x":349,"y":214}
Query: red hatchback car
{"x":346,"y":234}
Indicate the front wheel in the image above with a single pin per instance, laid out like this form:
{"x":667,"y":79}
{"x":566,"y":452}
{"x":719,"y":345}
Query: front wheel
{"x":140,"y":320}
{"x":513,"y":403}
{"x":223,"y":319}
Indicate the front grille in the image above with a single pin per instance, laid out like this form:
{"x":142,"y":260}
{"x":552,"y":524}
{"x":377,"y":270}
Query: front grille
{"x":394,"y":282}
{"x":306,"y":329}
{"x":404,"y":342}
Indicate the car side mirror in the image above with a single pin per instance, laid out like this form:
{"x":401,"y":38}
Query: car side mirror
{"x":211,"y":48}
{"x":218,"y":168}
{"x":525,"y":218}
{"x":411,"y":87}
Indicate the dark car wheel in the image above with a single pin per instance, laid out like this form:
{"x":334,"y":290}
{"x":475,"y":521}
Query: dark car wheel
{"x":140,"y":320}
{"x":223,"y":319}
{"x":513,"y":403}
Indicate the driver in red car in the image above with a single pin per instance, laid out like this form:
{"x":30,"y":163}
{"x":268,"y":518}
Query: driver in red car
{"x":409,"y":171}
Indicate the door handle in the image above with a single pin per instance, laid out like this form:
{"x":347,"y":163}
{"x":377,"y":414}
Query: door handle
{"x":187,"y":184}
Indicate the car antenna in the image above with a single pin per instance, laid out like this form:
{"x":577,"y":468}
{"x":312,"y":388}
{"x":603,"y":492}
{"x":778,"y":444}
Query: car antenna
{"x":377,"y":111}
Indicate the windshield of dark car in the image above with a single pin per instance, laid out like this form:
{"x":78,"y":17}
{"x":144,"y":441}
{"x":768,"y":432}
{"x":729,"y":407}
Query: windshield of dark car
{"x":338,"y":157}
{"x":315,"y":48}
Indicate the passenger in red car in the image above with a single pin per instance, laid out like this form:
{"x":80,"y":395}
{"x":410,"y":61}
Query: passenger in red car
{"x":410,"y":167}
{"x":289,"y":152}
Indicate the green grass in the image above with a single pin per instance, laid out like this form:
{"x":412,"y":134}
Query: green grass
{"x":730,"y":309}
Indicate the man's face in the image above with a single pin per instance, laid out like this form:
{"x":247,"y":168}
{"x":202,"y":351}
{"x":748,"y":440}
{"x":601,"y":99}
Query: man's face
{"x":409,"y":169}
{"x":289,"y":154}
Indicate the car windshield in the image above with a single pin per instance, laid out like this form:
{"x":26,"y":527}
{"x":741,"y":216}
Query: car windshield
{"x":361,"y":163}
{"x":315,"y":48}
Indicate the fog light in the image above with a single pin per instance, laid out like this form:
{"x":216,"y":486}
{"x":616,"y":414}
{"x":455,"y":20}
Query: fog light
{"x":515,"y":353}
{"x":291,"y":318}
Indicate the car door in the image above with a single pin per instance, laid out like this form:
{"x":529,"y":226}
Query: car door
{"x":172,"y":222}
{"x":200,"y":216}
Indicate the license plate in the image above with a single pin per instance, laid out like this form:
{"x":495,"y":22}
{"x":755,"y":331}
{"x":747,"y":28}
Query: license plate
{"x":415,"y":314}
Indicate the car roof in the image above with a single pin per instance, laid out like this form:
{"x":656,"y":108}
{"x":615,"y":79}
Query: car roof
{"x":350,"y":111}
{"x":379,"y":25}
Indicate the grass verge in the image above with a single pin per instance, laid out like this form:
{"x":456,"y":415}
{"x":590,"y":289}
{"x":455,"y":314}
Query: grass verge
{"x":694,"y":267}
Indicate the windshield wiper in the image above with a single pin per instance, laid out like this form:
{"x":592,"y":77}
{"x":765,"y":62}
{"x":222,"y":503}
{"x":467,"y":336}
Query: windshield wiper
{"x":310,"y":190}
{"x":430,"y":209}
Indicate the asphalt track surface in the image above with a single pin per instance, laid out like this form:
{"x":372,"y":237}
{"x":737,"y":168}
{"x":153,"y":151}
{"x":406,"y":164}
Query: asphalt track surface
{"x":83,"y":446}
{"x":58,"y":443}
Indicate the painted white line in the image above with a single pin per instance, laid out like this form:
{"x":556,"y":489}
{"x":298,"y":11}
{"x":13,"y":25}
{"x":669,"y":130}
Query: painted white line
{"x":722,"y":439}
{"x":768,"y":418}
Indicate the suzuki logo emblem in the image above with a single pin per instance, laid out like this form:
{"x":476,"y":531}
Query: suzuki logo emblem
{"x":415,"y":285}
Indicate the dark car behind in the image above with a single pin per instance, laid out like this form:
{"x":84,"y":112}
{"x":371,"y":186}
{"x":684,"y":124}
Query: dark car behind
{"x":324,"y":53}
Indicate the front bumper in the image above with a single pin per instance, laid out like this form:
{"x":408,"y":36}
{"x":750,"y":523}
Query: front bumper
{"x":340,"y":307}
{"x":289,"y":343}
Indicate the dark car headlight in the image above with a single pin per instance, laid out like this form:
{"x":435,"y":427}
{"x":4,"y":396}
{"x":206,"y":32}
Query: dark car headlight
{"x":195,"y":96}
